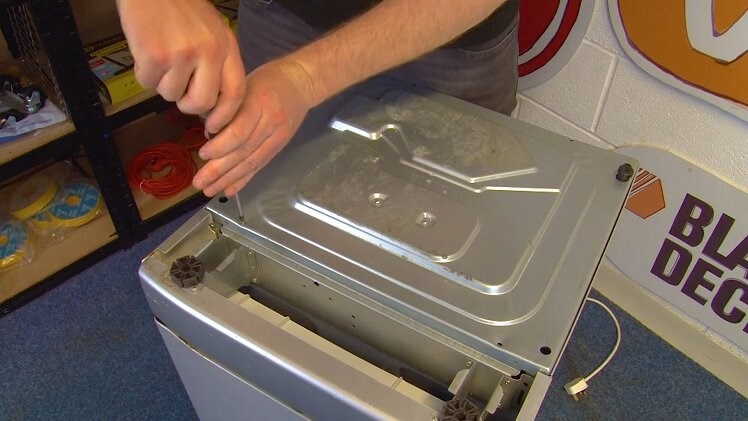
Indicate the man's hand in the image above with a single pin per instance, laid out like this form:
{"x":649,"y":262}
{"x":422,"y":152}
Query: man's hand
{"x":278,"y":97}
{"x":183,"y":51}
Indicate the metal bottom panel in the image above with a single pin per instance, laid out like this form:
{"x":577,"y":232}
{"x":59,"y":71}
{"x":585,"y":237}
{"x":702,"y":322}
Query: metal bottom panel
{"x":481,"y":228}
{"x":218,"y":394}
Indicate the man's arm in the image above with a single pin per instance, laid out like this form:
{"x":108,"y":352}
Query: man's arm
{"x":280,"y":93}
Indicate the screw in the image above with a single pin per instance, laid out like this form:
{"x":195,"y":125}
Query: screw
{"x":625,"y":172}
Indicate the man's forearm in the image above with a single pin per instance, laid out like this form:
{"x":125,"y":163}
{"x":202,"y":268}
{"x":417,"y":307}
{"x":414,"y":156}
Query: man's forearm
{"x":390,"y":34}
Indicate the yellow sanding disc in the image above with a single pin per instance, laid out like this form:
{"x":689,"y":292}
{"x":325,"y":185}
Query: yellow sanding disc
{"x":43,"y":221}
{"x":13,"y":242}
{"x":80,"y":204}
{"x":31,"y":196}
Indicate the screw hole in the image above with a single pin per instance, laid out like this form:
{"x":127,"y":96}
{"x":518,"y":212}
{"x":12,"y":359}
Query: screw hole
{"x":377,"y":200}
{"x":545,"y":350}
{"x":223,"y":199}
{"x":499,"y":344}
{"x":316,"y":283}
{"x":426,"y":220}
{"x":352,"y":316}
{"x":353,"y":325}
{"x":329,"y":298}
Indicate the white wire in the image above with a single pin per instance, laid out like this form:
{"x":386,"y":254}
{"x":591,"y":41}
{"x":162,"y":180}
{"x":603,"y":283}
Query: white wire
{"x":615,"y":347}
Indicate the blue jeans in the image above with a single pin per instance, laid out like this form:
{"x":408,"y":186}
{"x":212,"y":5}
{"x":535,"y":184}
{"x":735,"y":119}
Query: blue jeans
{"x":485,"y":75}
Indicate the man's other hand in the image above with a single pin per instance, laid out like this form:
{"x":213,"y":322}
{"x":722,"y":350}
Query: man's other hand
{"x":278,"y":97}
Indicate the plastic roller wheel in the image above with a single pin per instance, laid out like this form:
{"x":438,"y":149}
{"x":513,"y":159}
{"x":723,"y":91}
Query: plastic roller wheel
{"x":187,"y":271}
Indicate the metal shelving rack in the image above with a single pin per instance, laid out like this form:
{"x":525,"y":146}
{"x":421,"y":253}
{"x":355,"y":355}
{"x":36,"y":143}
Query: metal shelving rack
{"x":43,"y":35}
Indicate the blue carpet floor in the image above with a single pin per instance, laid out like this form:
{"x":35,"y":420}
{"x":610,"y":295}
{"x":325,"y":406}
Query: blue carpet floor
{"x":89,"y":350}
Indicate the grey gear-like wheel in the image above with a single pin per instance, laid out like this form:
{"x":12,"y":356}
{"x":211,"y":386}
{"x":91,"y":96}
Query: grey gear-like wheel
{"x":187,"y":271}
{"x":460,"y":410}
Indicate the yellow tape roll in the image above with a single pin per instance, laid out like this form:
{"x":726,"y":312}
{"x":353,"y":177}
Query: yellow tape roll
{"x":31,"y":196}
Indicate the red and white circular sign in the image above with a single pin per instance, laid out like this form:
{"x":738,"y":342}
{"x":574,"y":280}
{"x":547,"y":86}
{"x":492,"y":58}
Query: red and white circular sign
{"x":550,"y":31}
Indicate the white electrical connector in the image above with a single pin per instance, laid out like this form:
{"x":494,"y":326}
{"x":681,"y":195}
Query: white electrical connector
{"x":578,"y":386}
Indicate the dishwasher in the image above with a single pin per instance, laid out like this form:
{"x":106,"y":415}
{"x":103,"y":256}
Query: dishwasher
{"x":415,"y":257}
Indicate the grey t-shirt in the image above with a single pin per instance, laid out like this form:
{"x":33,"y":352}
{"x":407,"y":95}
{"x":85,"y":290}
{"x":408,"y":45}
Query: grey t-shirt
{"x":325,"y":15}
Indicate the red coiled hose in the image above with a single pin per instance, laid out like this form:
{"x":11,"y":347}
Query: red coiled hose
{"x":166,"y":169}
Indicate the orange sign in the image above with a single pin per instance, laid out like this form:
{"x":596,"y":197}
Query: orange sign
{"x":550,"y":31}
{"x":698,"y":46}
{"x":646,"y":197}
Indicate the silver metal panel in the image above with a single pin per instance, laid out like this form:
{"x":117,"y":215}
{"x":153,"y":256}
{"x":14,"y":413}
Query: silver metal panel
{"x":218,"y":394}
{"x":534,"y":398}
{"x":480,"y":228}
{"x":298,"y":374}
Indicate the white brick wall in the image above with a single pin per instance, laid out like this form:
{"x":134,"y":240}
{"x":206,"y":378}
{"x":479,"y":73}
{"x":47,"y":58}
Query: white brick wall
{"x":603,"y":98}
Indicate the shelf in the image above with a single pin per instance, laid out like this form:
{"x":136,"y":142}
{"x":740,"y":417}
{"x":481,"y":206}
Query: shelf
{"x":95,"y":19}
{"x":46,"y":41}
{"x":77,"y":244}
{"x":52,"y":58}
{"x":10,"y":150}
{"x":33,"y":140}
{"x":136,"y":136}
{"x":149,"y":206}
{"x":111,"y":110}
{"x":135,"y":108}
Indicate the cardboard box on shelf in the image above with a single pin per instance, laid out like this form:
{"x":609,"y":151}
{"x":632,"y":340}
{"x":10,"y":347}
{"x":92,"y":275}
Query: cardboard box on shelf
{"x":112,"y":64}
